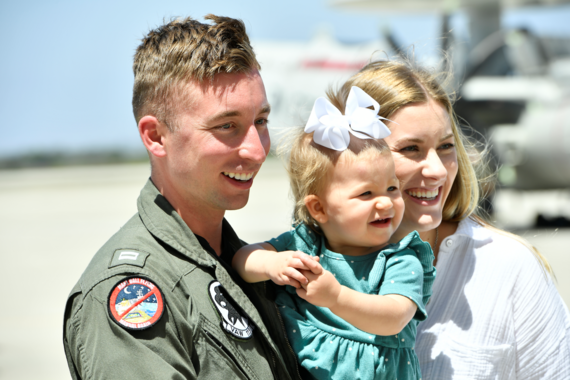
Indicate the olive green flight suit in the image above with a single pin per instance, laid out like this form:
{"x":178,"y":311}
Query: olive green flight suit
{"x":188,"y":341}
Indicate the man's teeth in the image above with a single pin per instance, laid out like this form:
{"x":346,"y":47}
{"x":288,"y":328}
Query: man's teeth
{"x":239,"y":176}
{"x":424,"y":193}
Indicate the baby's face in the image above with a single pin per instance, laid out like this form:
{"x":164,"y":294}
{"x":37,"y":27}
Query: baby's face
{"x":363,"y":203}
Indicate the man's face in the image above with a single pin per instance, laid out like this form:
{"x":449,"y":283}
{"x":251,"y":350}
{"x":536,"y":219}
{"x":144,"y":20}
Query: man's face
{"x":221,"y":141}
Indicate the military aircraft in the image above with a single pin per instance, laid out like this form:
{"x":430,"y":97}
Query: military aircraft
{"x":513,"y":86}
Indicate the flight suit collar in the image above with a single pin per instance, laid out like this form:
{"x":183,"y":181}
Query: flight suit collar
{"x":161,"y":220}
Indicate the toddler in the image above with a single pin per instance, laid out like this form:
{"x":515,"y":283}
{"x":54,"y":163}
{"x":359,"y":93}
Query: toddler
{"x":357,"y":285}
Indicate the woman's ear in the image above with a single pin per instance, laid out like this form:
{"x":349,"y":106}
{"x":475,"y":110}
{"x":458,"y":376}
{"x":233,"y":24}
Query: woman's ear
{"x":316,"y":208}
{"x":152,"y":134}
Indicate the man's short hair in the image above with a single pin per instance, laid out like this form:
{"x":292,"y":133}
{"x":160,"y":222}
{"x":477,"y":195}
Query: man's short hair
{"x":181,"y":51}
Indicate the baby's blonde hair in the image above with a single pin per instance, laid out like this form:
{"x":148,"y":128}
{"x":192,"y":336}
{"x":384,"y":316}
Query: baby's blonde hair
{"x":309,"y":166}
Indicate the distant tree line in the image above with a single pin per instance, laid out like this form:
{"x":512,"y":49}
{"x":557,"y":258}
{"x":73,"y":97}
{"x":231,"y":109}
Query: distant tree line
{"x":50,"y":159}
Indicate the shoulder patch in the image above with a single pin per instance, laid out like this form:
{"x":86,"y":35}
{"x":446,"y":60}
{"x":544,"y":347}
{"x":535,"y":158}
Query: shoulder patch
{"x":135,"y":303}
{"x":233,"y":322}
{"x":128,"y":256}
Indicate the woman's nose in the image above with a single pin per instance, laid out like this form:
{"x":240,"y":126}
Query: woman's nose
{"x":434,"y":167}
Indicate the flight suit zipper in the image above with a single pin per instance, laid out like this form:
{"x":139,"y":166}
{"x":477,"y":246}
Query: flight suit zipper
{"x":285,"y":334}
{"x":287,"y":339}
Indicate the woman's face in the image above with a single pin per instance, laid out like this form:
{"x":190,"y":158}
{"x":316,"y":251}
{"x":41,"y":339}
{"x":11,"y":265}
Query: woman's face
{"x":423,"y":147}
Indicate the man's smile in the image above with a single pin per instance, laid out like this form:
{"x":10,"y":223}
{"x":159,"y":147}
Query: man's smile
{"x":244,"y":177}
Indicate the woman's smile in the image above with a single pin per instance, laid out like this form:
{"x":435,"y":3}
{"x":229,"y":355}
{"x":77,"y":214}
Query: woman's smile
{"x":425,"y":197}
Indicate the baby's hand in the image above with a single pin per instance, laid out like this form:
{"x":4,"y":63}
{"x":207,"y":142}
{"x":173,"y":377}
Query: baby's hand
{"x":285,"y":268}
{"x":322,"y":288}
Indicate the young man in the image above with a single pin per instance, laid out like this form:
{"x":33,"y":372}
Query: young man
{"x":160,"y":300}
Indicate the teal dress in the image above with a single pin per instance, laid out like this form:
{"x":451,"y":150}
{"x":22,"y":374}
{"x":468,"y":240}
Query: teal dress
{"x":331,"y":348}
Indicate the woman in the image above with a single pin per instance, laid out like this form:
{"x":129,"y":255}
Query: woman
{"x":495,"y":312}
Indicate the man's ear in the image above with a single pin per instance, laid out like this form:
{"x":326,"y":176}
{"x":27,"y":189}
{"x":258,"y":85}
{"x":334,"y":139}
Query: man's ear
{"x":152,"y":134}
{"x":316,"y":208}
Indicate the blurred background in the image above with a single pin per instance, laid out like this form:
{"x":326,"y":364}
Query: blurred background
{"x":72,"y":165}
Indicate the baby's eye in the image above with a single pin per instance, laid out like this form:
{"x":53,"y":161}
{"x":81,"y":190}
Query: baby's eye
{"x":392,"y":188}
{"x":365,"y":193}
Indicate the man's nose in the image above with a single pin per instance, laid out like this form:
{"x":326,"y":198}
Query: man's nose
{"x":433,"y":167}
{"x":255,"y":144}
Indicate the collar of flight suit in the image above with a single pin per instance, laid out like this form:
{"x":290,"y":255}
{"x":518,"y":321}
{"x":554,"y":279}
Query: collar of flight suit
{"x":161,"y":220}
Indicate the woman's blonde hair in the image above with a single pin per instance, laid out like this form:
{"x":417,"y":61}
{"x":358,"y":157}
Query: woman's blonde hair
{"x":309,"y":165}
{"x":395,"y":84}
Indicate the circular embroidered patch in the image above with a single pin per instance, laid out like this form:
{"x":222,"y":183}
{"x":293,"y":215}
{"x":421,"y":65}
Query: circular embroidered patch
{"x":136,"y":303}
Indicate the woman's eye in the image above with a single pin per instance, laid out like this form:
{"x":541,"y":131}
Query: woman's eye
{"x":411,"y":148}
{"x":447,"y":146}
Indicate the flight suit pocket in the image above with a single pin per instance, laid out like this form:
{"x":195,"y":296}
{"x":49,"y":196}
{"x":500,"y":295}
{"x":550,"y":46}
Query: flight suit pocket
{"x":216,"y":360}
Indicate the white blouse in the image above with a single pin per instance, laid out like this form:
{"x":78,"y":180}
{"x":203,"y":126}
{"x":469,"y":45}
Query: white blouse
{"x":494,"y":314}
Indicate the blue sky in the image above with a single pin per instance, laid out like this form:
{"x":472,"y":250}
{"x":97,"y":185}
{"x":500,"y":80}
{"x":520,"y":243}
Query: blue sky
{"x":65,"y":72}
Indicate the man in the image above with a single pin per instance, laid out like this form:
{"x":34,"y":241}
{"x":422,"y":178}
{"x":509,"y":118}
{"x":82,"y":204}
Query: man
{"x":159,"y":300}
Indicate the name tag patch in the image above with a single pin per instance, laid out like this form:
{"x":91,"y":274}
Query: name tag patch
{"x":126,"y":256}
{"x":136,"y":303}
{"x":233,"y":322}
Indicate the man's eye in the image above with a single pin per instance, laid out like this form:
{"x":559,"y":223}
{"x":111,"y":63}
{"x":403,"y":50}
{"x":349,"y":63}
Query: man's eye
{"x":262,"y":122}
{"x":225,"y":126}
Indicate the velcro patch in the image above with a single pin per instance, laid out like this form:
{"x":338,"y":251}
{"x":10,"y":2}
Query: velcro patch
{"x":128,"y":256}
{"x":233,"y":322}
{"x":136,"y":303}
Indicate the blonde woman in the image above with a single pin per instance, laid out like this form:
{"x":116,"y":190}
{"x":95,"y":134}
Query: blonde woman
{"x":495,"y":312}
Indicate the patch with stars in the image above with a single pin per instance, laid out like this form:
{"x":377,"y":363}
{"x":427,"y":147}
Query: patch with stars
{"x":233,"y":322}
{"x":136,"y":303}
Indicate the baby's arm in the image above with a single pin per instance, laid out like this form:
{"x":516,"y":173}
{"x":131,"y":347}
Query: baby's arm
{"x":261,"y":262}
{"x":374,"y":314}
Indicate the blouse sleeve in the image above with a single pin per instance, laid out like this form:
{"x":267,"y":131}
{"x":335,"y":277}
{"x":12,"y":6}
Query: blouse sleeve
{"x":404,"y":276}
{"x":542,"y":324}
{"x":284,"y":242}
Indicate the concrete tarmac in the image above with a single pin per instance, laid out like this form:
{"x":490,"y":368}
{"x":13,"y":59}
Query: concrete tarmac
{"x":53,"y":220}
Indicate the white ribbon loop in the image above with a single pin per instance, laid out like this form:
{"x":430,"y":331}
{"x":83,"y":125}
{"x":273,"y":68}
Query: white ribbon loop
{"x":331,"y":128}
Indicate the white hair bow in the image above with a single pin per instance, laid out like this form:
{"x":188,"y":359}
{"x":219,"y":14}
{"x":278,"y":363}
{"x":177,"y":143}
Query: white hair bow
{"x":332,"y":128}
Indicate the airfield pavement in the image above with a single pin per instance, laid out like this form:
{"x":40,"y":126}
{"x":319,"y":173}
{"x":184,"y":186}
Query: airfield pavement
{"x":54,"y":220}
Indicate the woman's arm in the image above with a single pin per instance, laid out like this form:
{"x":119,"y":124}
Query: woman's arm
{"x":261,"y":262}
{"x":374,"y":314}
{"x":541,"y":321}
